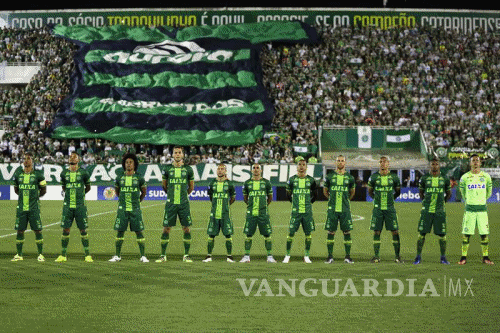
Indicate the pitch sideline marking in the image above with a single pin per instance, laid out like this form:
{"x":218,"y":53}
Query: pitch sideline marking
{"x":355,"y":218}
{"x":59,"y":222}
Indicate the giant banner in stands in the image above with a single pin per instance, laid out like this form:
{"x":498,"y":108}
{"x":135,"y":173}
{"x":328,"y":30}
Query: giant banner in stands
{"x":168,"y":86}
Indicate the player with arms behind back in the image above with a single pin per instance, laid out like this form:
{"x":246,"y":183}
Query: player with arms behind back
{"x":434,"y":191}
{"x":222,"y":194}
{"x":130,"y":188}
{"x":384,"y":187}
{"x":339,"y":188}
{"x":258,"y":195}
{"x":476,"y":187}
{"x":177,"y":182}
{"x":301,"y":191}
{"x":75,"y":184}
{"x":29,"y":185}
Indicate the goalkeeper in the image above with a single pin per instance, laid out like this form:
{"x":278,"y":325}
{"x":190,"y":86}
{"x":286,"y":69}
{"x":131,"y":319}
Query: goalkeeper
{"x":476,"y":188}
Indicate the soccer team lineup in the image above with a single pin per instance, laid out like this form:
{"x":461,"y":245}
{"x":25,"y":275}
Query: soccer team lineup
{"x":178,"y":181}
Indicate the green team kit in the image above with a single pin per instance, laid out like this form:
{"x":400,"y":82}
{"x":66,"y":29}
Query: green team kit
{"x":475,"y":189}
{"x":129,"y":204}
{"x":177,"y":203}
{"x":257,"y":213}
{"x":74,"y":207}
{"x":339,"y":203}
{"x":28,"y":203}
{"x":221,"y":193}
{"x":301,"y":190}
{"x":433,"y":213}
{"x":384,"y":187}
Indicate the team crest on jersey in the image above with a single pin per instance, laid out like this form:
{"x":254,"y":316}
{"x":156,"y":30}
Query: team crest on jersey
{"x":481,"y":179}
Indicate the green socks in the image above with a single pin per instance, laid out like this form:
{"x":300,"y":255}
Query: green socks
{"x":64,"y":243}
{"x":465,"y":245}
{"x":165,"y":237}
{"x":397,"y":245}
{"x":19,"y":244}
{"x":210,"y":245}
{"x":484,"y":245}
{"x":289,"y":241}
{"x":347,"y":244}
{"x":248,"y":245}
{"x":229,"y":245}
{"x":376,"y":245}
{"x":308,"y":242}
{"x":420,"y":244}
{"x":39,"y":242}
{"x":141,"y":241}
{"x":268,"y":244}
{"x":187,"y":242}
{"x":330,"y":241}
{"x":119,"y":242}
{"x":442,"y":245}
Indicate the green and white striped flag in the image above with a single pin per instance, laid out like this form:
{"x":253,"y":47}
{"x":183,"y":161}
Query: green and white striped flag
{"x":397,"y":138}
{"x":197,"y":85}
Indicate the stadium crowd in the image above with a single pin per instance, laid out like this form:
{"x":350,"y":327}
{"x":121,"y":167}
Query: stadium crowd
{"x":443,"y":82}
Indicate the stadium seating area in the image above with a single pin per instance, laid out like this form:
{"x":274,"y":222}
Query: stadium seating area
{"x":442,"y":81}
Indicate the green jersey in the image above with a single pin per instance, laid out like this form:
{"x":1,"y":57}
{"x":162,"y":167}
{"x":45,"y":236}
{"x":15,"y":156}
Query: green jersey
{"x":434,"y":189}
{"x":220,"y":193}
{"x":75,"y":183}
{"x":302,"y":190}
{"x":476,"y":189}
{"x":257,"y":192}
{"x":130,"y":191}
{"x":29,"y":189}
{"x":339,"y":188}
{"x":383,"y":189}
{"x":178,"y":179}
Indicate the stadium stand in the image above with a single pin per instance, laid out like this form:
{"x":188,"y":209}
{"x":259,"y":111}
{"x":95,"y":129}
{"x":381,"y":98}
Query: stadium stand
{"x":443,"y":82}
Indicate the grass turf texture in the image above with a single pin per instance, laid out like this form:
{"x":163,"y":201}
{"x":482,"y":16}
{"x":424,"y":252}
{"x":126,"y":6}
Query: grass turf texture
{"x":130,"y":296}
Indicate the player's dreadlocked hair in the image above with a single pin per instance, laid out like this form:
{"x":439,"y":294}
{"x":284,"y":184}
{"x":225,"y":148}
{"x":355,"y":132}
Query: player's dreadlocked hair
{"x":133,"y":157}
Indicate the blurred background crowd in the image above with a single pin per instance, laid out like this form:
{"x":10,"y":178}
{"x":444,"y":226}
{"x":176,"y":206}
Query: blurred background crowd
{"x":442,"y":82}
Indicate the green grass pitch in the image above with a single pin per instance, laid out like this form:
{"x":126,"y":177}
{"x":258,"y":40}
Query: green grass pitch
{"x":130,"y":296}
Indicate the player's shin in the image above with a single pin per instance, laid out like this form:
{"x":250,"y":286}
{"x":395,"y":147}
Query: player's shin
{"x":347,"y":244}
{"x":19,"y":244}
{"x":141,"y":242}
{"x":420,"y":244}
{"x":330,"y":242}
{"x":39,"y":242}
{"x":485,"y":245}
{"x":465,"y":245}
{"x":289,"y":242}
{"x":210,"y":245}
{"x":442,"y":245}
{"x":229,"y":245}
{"x":268,"y":243}
{"x":187,"y":242}
{"x":119,"y":242}
{"x":308,"y":242}
{"x":248,"y":245}
{"x":64,"y":243}
{"x":165,"y":237}
{"x":397,"y":245}
{"x":376,"y":244}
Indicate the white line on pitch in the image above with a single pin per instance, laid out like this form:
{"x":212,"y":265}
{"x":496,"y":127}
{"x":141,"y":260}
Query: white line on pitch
{"x":59,"y":222}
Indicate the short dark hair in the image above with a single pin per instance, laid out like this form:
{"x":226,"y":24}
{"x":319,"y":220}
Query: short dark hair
{"x":133,"y":157}
{"x":178,"y":147}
